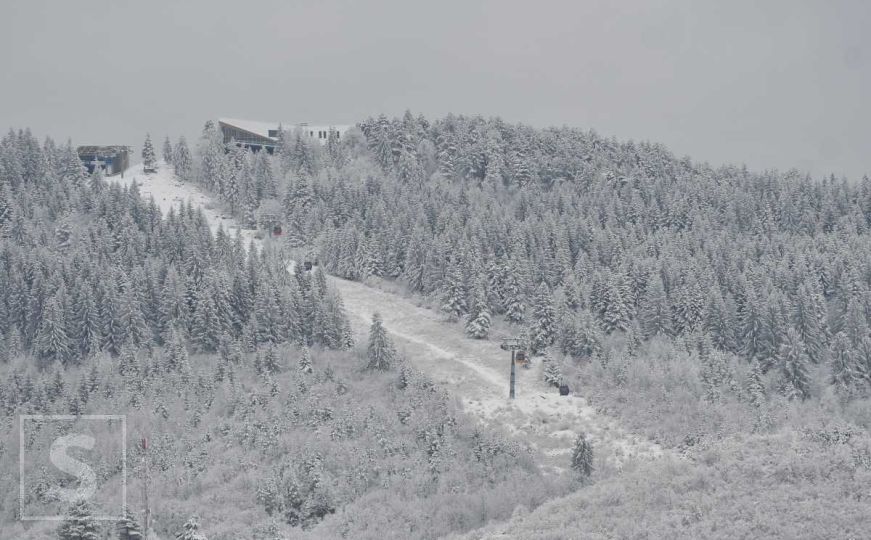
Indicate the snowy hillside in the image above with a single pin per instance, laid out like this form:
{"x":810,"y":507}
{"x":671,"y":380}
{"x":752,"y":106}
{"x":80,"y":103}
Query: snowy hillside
{"x":475,"y":371}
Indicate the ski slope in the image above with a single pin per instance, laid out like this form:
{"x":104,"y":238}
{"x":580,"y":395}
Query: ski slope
{"x":475,"y":371}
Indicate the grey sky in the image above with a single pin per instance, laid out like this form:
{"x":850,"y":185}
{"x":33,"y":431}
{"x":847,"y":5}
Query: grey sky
{"x":770,"y":84}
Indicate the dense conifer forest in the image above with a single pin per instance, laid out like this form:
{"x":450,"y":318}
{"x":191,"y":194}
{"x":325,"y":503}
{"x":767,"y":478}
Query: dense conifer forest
{"x":697,"y":304}
{"x":244,"y":376}
{"x":720,"y":312}
{"x":574,"y":237}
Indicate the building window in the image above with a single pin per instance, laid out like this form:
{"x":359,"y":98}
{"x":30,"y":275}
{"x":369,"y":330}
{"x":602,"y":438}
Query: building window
{"x":273,"y":133}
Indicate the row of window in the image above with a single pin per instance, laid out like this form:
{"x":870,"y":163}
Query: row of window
{"x":322,"y":134}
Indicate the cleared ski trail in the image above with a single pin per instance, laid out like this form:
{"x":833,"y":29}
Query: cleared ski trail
{"x":475,"y":371}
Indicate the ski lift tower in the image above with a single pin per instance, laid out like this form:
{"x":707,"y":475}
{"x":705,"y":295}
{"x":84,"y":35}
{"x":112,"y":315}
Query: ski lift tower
{"x":512,"y":344}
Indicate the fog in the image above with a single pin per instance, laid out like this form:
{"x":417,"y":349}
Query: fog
{"x":774,"y":84}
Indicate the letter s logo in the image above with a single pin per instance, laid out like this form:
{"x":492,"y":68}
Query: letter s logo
{"x":66,"y":463}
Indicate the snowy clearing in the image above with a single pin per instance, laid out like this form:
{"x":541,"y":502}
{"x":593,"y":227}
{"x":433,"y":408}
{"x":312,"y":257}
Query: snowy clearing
{"x":475,"y":371}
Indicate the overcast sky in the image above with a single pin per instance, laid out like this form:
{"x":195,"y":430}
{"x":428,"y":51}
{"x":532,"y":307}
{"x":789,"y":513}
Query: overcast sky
{"x":767,"y":83}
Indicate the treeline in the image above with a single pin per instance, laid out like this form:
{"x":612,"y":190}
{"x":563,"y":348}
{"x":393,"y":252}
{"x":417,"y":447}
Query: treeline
{"x":88,"y":266}
{"x":574,"y":236}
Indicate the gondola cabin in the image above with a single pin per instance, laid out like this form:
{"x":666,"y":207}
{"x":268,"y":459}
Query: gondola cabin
{"x":307,"y":265}
{"x":563,"y":389}
{"x":520,"y":358}
{"x":276,"y":231}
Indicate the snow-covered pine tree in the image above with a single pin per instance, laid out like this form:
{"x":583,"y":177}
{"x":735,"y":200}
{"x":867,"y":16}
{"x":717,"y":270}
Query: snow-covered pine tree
{"x":454,"y":293}
{"x":755,"y":384}
{"x":182,"y":161}
{"x":579,"y":335}
{"x":655,"y":317}
{"x":96,"y":180}
{"x":792,"y":360}
{"x":206,"y":329}
{"x":478,"y":321}
{"x":720,"y":322}
{"x":753,"y":330}
{"x":79,"y":523}
{"x":74,"y":171}
{"x":853,"y":321}
{"x":270,"y":361}
{"x":381,"y":353}
{"x":6,"y":208}
{"x":689,"y":307}
{"x":513,"y":294}
{"x":807,"y":322}
{"x":149,"y":158}
{"x":552,"y":373}
{"x":128,"y":528}
{"x":542,"y":329}
{"x":842,"y":363}
{"x":52,"y":341}
{"x":190,"y":530}
{"x":305,"y":361}
{"x":582,"y":456}
{"x":615,"y":308}
{"x":167,"y":151}
{"x":571,"y":290}
{"x":863,"y":361}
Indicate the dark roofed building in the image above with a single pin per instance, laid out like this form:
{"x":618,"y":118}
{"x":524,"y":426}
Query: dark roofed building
{"x":112,"y":159}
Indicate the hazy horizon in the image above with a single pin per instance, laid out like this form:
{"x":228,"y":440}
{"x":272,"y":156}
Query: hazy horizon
{"x":775,"y":86}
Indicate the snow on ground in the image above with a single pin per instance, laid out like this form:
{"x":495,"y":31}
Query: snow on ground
{"x":475,"y":371}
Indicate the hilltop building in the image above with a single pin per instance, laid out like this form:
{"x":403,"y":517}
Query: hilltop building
{"x":264,"y":135}
{"x":112,"y":159}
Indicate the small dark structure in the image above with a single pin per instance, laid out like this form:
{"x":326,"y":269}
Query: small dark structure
{"x":307,"y":265}
{"x":563,"y":389}
{"x":111,"y":159}
{"x":521,"y":359}
{"x":276,"y":231}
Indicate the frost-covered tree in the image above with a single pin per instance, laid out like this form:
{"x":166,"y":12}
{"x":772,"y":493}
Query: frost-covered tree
{"x":52,"y":341}
{"x":808,"y":323}
{"x":755,"y":385}
{"x":182,"y":160}
{"x":190,"y":530}
{"x":552,"y":373}
{"x":792,"y":360}
{"x":149,"y":157}
{"x":614,"y":311}
{"x":513,"y":295}
{"x":79,"y":523}
{"x":380,"y":353}
{"x":305,"y":361}
{"x":582,"y":456}
{"x":454,"y":294}
{"x":842,"y":363}
{"x":128,"y":528}
{"x":542,"y":330}
{"x":478,"y":320}
{"x":655,"y":316}
{"x":688,"y":309}
{"x":167,"y":151}
{"x":579,"y":335}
